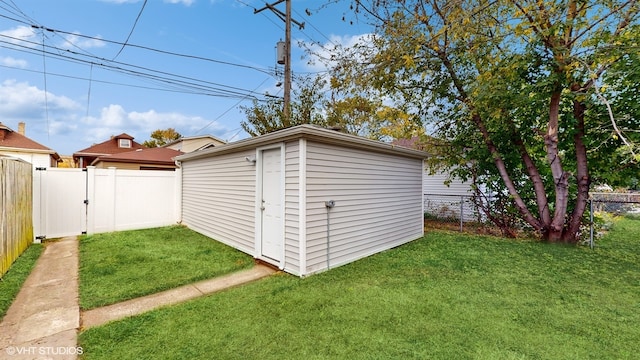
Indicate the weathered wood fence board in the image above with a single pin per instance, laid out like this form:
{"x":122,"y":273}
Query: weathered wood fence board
{"x":16,"y":225}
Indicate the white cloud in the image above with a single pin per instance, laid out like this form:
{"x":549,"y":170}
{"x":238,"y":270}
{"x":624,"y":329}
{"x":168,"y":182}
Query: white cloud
{"x":14,"y":63}
{"x":115,"y":120}
{"x":62,"y":126}
{"x":73,"y":41}
{"x":60,"y":122}
{"x":19,"y":35}
{"x":47,"y":118}
{"x":113,"y":116}
{"x":184,"y":2}
{"x":19,"y":99}
{"x":323,"y":52}
{"x":121,"y":1}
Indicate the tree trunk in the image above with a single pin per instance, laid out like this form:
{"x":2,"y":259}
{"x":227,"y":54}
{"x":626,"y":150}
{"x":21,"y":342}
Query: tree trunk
{"x":583,"y":179}
{"x":536,"y":179}
{"x":560,"y":177}
{"x":502,"y":169}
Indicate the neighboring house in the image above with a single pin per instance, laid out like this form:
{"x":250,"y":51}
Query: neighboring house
{"x":159,"y":158}
{"x":117,"y":144}
{"x":17,"y":145}
{"x":444,"y":197}
{"x":194,"y":143}
{"x":305,"y":198}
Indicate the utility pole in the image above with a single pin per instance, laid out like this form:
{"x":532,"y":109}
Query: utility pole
{"x":287,"y":66}
{"x":286,"y":17}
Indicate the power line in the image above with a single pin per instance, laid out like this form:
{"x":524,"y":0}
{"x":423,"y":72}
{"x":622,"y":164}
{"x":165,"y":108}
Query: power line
{"x":15,"y":10}
{"x":195,"y":57}
{"x":89,"y":90}
{"x":44,"y":75}
{"x":132,"y":28}
{"x":119,"y":84}
{"x":229,"y":109}
{"x":137,"y":71}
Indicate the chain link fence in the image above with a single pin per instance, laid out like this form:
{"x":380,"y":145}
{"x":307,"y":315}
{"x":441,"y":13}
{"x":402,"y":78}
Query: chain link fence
{"x":452,"y":211}
{"x":458,"y":212}
{"x":602,"y":206}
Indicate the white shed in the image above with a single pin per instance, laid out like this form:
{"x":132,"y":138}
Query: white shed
{"x":305,"y":198}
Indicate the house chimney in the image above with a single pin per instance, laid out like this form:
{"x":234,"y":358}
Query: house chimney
{"x":21,"y":126}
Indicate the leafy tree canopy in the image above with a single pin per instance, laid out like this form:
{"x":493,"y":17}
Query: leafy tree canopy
{"x":532,"y":99}
{"x":316,"y":102}
{"x":162,"y":137}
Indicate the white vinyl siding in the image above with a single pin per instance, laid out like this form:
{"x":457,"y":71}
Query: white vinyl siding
{"x":435,"y":185}
{"x":36,"y":159}
{"x":377,"y":203}
{"x":218,"y":198}
{"x":292,"y":207}
{"x":444,"y":201}
{"x":377,"y":189}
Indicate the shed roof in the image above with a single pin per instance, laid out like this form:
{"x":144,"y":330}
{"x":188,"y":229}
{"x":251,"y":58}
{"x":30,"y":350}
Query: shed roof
{"x":311,"y":132}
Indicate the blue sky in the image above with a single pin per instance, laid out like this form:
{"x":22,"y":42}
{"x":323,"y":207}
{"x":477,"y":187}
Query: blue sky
{"x":83,"y":86}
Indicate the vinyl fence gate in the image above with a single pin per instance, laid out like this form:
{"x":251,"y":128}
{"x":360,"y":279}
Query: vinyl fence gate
{"x":70,"y":202}
{"x":60,"y":202}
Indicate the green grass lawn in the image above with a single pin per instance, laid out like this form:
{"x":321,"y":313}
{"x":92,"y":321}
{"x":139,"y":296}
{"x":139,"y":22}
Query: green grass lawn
{"x":14,"y":278}
{"x":446,"y":296}
{"x":127,"y":264}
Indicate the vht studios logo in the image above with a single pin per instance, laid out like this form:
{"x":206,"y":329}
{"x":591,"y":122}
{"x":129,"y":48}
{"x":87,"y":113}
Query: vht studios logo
{"x":44,"y":350}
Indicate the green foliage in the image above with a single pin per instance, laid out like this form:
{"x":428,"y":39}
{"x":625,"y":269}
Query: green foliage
{"x":509,"y":94}
{"x":162,"y":137}
{"x":353,"y":113}
{"x":266,"y":117}
{"x":621,"y":87}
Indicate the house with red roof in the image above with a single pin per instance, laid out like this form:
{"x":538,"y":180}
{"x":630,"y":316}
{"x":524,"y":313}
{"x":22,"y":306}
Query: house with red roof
{"x":123,"y":153}
{"x":17,"y":145}
{"x":116,"y":144}
{"x":158,"y":158}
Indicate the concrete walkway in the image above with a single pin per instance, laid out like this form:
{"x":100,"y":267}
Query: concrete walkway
{"x":43,"y":320}
{"x":103,"y":315}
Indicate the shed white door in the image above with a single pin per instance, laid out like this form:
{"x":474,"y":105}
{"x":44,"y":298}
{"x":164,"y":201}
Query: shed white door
{"x":272,"y":226}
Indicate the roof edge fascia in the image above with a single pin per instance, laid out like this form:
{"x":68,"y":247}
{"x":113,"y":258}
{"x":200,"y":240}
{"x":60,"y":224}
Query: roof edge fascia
{"x":310,"y":132}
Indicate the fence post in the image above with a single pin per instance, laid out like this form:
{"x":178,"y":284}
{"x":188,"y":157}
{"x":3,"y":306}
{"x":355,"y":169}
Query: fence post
{"x":91,"y":199}
{"x":39,"y":212}
{"x":112,"y":201}
{"x":178,"y":195}
{"x":591,"y":223}
{"x":461,"y":211}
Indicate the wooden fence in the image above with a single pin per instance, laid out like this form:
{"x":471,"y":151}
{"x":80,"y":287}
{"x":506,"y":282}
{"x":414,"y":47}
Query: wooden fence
{"x":16,"y":225}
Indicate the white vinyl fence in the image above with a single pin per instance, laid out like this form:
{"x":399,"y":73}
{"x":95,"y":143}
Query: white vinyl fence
{"x":71,"y":202}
